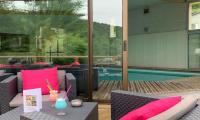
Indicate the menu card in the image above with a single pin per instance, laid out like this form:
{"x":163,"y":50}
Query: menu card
{"x":32,"y":100}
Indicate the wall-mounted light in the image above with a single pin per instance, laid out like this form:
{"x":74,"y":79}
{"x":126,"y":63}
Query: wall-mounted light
{"x":146,"y":10}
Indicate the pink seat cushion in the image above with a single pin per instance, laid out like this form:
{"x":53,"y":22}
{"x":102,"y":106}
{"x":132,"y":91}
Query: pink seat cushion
{"x":37,"y":79}
{"x":151,"y":109}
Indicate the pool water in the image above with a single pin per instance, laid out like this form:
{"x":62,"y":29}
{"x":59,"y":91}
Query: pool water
{"x":141,"y":74}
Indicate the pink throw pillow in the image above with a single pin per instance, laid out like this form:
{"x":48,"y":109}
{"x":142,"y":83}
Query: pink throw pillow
{"x":37,"y":79}
{"x":151,"y":109}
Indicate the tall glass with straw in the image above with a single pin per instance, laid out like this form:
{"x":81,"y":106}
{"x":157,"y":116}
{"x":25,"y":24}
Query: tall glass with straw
{"x":62,"y":103}
{"x":53,"y":96}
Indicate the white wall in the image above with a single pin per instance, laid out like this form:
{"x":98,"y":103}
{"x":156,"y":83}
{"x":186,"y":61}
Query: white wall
{"x":167,"y":49}
{"x":165,"y":44}
{"x":162,"y":18}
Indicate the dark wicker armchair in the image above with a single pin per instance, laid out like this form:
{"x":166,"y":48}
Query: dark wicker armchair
{"x":123,"y":102}
{"x":81,"y":75}
{"x":4,"y":76}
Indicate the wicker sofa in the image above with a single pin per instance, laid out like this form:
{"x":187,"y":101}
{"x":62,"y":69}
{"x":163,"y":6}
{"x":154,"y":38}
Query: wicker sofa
{"x":10,"y":91}
{"x":79,"y":72}
{"x":123,"y":102}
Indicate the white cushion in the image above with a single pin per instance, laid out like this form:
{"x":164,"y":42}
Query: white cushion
{"x":18,"y":99}
{"x":185,"y":105}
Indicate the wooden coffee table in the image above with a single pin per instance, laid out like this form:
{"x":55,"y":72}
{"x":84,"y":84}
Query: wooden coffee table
{"x":89,"y":111}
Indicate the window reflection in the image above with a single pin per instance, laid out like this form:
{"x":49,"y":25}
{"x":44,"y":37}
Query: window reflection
{"x":194,"y":16}
{"x":107,"y":32}
{"x":52,"y":32}
{"x":107,"y":46}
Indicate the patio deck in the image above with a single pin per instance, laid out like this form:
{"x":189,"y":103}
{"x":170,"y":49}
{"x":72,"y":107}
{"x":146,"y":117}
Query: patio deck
{"x":149,"y":87}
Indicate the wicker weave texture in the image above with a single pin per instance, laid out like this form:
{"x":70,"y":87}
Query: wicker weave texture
{"x":123,"y":102}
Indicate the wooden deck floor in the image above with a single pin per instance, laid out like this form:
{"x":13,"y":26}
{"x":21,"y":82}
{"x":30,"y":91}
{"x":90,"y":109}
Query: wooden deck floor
{"x":149,"y":87}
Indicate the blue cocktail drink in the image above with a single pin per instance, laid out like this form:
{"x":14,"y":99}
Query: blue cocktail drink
{"x":61,"y":104}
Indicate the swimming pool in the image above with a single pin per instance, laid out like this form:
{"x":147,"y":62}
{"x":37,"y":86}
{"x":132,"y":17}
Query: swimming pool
{"x":143,"y":75}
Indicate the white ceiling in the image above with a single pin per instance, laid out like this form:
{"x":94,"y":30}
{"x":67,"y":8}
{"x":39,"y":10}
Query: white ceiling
{"x":142,"y":3}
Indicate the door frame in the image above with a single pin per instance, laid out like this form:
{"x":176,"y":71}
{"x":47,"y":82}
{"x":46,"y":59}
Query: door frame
{"x":90,"y":49}
{"x":125,"y":44}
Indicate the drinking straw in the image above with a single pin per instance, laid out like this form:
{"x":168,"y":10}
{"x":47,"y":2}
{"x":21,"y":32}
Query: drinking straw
{"x":70,"y":86}
{"x":49,"y":85}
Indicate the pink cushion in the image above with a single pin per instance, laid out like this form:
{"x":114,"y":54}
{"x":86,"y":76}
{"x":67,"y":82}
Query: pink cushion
{"x":75,"y":63}
{"x":151,"y":109}
{"x":37,"y":79}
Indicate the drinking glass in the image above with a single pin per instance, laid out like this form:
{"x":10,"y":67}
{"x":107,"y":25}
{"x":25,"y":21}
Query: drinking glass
{"x":53,"y":97}
{"x":60,"y":105}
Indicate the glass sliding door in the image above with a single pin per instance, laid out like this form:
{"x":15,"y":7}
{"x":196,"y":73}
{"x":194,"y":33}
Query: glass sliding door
{"x":107,"y":47}
{"x":46,"y":33}
{"x":194,"y":35}
{"x":194,"y":50}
